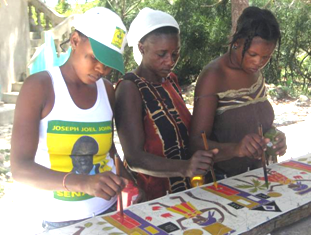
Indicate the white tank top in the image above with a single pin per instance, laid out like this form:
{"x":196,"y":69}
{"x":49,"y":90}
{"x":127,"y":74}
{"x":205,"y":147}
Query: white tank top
{"x":76,"y":140}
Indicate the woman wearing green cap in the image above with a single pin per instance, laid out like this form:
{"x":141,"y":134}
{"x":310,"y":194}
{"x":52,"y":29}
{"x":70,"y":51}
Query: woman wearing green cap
{"x":62,"y":138}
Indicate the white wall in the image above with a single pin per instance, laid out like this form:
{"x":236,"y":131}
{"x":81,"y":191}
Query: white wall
{"x":14,"y":42}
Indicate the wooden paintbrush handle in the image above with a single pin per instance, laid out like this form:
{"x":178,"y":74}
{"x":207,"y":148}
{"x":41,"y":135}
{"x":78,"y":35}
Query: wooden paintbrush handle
{"x":117,"y":164}
{"x":203,"y":134}
{"x":211,"y":169}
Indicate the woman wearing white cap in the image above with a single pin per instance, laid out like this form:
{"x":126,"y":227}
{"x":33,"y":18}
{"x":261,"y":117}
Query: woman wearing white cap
{"x":62,"y":133}
{"x":151,"y":117}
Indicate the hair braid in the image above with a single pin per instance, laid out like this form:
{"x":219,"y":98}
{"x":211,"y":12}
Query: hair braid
{"x":247,"y":44}
{"x":256,"y":22}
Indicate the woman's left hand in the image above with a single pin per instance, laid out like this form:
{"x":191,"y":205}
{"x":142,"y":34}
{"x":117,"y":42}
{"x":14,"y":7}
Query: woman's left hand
{"x":280,"y":144}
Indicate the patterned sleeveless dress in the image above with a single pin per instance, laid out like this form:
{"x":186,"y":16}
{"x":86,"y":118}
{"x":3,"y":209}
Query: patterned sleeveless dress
{"x":239,"y":112}
{"x":166,"y":121}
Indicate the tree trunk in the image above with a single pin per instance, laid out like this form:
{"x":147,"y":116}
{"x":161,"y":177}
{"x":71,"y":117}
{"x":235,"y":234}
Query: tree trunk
{"x":237,"y":8}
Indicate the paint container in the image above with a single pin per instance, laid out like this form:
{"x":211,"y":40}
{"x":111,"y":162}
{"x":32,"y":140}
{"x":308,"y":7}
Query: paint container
{"x":197,"y":180}
{"x":270,"y":152}
{"x":129,"y":195}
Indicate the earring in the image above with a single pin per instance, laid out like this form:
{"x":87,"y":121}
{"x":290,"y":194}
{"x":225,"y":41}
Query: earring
{"x":234,"y":47}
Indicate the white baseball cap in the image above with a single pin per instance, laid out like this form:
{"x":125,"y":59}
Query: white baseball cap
{"x":106,"y":33}
{"x":145,"y":22}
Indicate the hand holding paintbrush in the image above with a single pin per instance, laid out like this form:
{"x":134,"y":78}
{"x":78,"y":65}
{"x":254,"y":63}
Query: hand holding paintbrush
{"x":212,"y":170}
{"x":203,"y":159}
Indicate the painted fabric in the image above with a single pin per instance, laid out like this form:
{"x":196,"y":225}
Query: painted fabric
{"x":239,"y":205}
{"x":75,"y":140}
{"x":186,"y":209}
{"x":166,"y":124}
{"x":239,"y":113}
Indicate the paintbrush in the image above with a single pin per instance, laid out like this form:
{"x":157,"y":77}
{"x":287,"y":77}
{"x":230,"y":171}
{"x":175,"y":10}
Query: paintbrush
{"x":212,"y":170}
{"x":260,"y":131}
{"x":117,"y":164}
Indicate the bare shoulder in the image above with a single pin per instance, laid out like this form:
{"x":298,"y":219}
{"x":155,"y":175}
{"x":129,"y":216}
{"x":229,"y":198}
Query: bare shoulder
{"x":126,"y":87}
{"x":128,"y":106}
{"x":128,"y":96}
{"x":212,"y":76}
{"x":37,"y":85}
{"x":38,"y":79}
{"x":35,"y":97}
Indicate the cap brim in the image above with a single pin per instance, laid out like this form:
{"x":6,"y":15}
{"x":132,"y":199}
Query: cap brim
{"x":107,"y":56}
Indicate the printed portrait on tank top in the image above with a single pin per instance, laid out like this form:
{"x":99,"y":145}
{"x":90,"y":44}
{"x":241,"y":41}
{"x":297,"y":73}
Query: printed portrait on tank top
{"x":81,"y":148}
{"x":82,"y":156}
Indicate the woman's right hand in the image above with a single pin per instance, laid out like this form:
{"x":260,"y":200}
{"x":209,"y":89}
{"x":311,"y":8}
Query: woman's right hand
{"x":200,"y":162}
{"x":104,"y":185}
{"x":252,"y":145}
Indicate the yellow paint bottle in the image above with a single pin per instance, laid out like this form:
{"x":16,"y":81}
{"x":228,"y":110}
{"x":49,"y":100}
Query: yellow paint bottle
{"x":197,"y":180}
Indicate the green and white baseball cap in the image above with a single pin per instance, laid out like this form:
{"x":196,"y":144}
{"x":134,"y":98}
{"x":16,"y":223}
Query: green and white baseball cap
{"x":106,"y":33}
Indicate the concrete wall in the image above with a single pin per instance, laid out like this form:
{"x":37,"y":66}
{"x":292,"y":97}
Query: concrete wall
{"x":14,"y":42}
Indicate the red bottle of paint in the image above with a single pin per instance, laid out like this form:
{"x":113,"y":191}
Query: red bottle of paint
{"x":129,"y":194}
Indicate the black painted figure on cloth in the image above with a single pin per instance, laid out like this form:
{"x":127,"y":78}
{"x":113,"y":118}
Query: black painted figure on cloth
{"x":189,"y":211}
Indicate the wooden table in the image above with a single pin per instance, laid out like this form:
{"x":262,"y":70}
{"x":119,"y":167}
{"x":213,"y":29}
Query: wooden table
{"x":289,"y":219}
{"x":301,"y":227}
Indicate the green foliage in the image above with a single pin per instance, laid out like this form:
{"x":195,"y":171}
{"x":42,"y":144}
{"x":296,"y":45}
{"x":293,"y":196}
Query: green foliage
{"x":62,"y":7}
{"x":3,"y":170}
{"x":66,"y":9}
{"x":204,"y":35}
{"x":1,"y":191}
{"x":205,"y":27}
{"x":293,"y":67}
{"x":6,"y":153}
{"x":42,"y":18}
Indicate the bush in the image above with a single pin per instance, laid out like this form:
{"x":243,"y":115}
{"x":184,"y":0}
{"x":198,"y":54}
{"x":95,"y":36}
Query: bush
{"x":205,"y":36}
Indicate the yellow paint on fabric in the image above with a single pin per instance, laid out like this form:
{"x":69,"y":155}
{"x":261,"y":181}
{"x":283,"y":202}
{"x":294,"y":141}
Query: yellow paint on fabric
{"x":217,"y":229}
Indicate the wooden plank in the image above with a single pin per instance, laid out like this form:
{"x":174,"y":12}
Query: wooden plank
{"x":286,"y":219}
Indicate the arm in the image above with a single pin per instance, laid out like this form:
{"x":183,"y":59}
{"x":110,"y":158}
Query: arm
{"x":111,"y":96}
{"x":123,"y":172}
{"x":35,"y":102}
{"x":129,"y":124}
{"x":210,"y":82}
